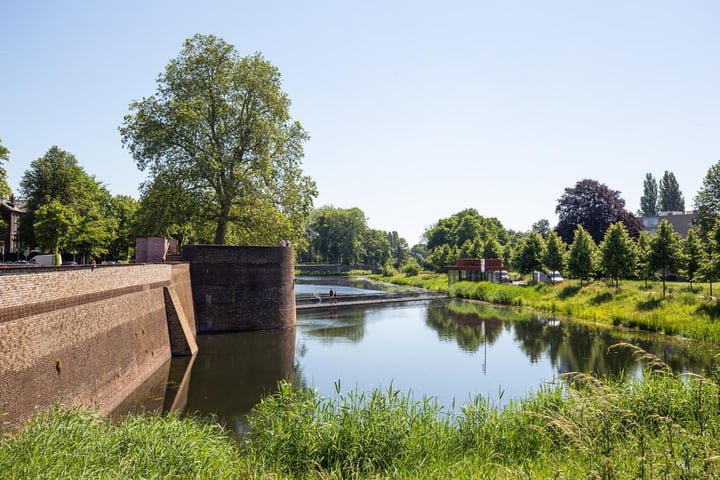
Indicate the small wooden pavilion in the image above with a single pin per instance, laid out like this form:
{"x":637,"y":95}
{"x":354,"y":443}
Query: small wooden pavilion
{"x":478,"y":270}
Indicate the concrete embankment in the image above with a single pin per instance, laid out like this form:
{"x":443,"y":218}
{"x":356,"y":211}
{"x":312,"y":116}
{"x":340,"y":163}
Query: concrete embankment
{"x":88,"y":336}
{"x":309,"y":302}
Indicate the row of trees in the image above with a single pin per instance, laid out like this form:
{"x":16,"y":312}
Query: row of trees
{"x":666,"y":198}
{"x":342,"y":236}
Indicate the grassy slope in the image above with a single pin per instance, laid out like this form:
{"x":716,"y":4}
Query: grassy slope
{"x":685,"y":312}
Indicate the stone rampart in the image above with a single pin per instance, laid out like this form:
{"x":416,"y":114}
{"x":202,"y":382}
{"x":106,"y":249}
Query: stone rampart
{"x":88,"y":336}
{"x":242,"y":288}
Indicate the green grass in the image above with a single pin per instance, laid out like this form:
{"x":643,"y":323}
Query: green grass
{"x":77,"y":444}
{"x":690,"y":313}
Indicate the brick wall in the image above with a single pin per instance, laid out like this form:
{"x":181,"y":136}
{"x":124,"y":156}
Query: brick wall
{"x":84,"y":335}
{"x":242,"y":288}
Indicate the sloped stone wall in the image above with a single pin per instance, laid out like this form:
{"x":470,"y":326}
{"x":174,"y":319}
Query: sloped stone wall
{"x":87,"y":336}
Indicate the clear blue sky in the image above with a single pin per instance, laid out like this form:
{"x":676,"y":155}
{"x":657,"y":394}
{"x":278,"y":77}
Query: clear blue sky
{"x":416,"y":109}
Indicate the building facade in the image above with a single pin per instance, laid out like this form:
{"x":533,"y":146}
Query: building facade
{"x":10,"y":242}
{"x":478,"y":270}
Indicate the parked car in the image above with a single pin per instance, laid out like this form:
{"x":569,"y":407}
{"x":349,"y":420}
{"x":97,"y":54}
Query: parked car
{"x":555,"y":277}
{"x":45,"y":259}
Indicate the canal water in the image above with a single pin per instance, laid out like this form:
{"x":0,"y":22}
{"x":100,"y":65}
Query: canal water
{"x":448,"y":349}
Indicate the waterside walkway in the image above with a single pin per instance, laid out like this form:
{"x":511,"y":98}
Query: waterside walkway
{"x":308,"y":302}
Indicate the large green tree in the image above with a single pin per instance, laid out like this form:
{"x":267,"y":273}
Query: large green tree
{"x":54,"y":225}
{"x":337,"y":235}
{"x":581,"y":255}
{"x":618,"y":253}
{"x":594,"y":206}
{"x":555,"y":252}
{"x":649,"y":199}
{"x":665,"y":251}
{"x":465,"y":225}
{"x":58,"y":176}
{"x":644,"y":268}
{"x":670,"y":198}
{"x":123,"y":213}
{"x":529,"y":255}
{"x":707,"y":200}
{"x":220,"y":124}
{"x":693,"y":255}
{"x":710,"y":268}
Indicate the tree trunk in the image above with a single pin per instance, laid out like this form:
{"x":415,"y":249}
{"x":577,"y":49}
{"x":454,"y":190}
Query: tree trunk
{"x":221,"y":230}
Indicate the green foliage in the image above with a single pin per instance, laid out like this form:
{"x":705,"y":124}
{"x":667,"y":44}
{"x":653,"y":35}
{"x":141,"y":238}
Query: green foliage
{"x":555,"y":252}
{"x":644,"y":267}
{"x":581,"y":255}
{"x":693,"y":255}
{"x":707,"y":200}
{"x":442,"y":256}
{"x":618,"y":253}
{"x":410,"y":267}
{"x":529,"y":255}
{"x":649,"y":199}
{"x":54,"y":223}
{"x":389,"y":269}
{"x":57,"y":177}
{"x":670,"y":197}
{"x":665,"y":250}
{"x":337,"y":235}
{"x":123,"y":214}
{"x":465,"y":234}
{"x":218,"y":130}
{"x":72,"y":443}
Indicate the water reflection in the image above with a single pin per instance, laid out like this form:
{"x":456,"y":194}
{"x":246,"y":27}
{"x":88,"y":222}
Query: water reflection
{"x":451,"y":350}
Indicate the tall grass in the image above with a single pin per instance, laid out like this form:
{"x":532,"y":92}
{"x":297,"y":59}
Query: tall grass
{"x":78,"y":444}
{"x":661,"y":426}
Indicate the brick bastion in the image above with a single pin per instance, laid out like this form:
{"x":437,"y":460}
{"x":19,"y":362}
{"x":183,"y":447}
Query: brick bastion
{"x":88,"y":336}
{"x":242,"y":288}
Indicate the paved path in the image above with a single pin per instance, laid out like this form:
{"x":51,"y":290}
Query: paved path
{"x":343,"y":301}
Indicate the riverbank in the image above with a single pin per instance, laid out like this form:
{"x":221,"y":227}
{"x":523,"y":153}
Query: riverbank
{"x":664,"y":426}
{"x":690,"y":313}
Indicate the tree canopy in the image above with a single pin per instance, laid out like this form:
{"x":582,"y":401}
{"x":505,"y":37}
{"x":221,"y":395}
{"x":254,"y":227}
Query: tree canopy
{"x":581,"y":255}
{"x":529,"y":255}
{"x":595,"y":207}
{"x":618,"y":253}
{"x":707,"y":200}
{"x":57,"y":177}
{"x":665,"y":251}
{"x":670,"y":198}
{"x":649,"y":199}
{"x":341,"y":235}
{"x":218,"y":129}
